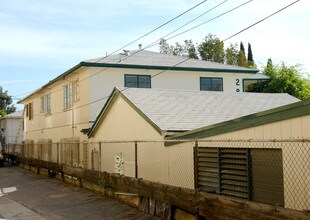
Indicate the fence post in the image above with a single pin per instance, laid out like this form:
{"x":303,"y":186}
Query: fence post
{"x":41,"y":146}
{"x":136,"y":159}
{"x":196,"y":165}
{"x":57,"y":144}
{"x":99,"y":156}
{"x":196,"y":179}
{"x":71,"y":154}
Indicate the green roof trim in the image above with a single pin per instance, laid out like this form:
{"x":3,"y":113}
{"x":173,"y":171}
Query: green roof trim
{"x":132,"y":66}
{"x":269,"y":116}
{"x":106,"y":107}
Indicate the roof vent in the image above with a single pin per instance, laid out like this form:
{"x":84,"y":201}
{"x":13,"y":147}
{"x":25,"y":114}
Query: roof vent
{"x":140,"y":46}
{"x":126,"y":52}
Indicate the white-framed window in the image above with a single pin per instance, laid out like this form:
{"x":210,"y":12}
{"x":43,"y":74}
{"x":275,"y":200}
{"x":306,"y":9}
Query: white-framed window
{"x":71,"y":94}
{"x":75,"y":91}
{"x":67,"y":96}
{"x":46,"y":104}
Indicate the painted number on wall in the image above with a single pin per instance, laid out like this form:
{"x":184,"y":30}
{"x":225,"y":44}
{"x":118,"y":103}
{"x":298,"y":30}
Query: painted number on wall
{"x":237,"y":84}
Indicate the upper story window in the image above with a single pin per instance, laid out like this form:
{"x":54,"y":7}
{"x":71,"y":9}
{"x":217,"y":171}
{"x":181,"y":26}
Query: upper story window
{"x":71,"y":94}
{"x":138,"y":81}
{"x":254,"y":85}
{"x":67,"y":96}
{"x":29,"y":110}
{"x":46,"y":104}
{"x":211,"y":84}
{"x":75,"y":91}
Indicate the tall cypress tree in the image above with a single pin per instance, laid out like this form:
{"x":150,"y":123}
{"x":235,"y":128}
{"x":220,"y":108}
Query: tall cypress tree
{"x":269,"y":63}
{"x":241,"y":56}
{"x":242,"y":47}
{"x":250,"y":56}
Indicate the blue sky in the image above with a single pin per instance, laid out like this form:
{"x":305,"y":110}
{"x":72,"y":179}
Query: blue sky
{"x":41,"y":39}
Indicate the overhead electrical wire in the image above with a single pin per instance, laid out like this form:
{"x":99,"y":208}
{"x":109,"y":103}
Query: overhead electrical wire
{"x":210,"y":20}
{"x":150,"y":45}
{"x":239,"y":32}
{"x":155,"y":42}
{"x":105,"y":97}
{"x":191,"y":21}
{"x":155,"y":29}
{"x":159,"y":73}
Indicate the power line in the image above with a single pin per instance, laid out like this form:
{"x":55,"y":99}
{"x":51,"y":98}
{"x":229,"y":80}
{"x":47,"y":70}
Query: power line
{"x":210,"y":20}
{"x":262,"y":20}
{"x":148,"y":33}
{"x":159,"y":73}
{"x":183,"y":61}
{"x":155,"y":42}
{"x":155,"y":29}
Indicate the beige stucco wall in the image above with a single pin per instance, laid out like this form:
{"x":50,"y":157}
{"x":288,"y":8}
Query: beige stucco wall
{"x":295,"y":155}
{"x":95,"y":86}
{"x":104,"y":80}
{"x":168,"y":165}
{"x":60,"y":123}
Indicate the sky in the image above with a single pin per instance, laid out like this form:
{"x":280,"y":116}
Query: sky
{"x":40,"y":40}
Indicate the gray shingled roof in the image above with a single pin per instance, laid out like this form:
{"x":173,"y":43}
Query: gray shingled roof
{"x":149,"y":58}
{"x":176,"y":110}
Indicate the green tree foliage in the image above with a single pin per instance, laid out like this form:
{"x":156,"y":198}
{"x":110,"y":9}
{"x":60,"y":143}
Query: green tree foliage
{"x":231,"y":54}
{"x":242,"y":47}
{"x":164,"y":47}
{"x":285,"y":79}
{"x":212,"y":49}
{"x":190,"y":49}
{"x":269,"y":63}
{"x":250,"y":57}
{"x":6,"y":106}
{"x":241,"y":60}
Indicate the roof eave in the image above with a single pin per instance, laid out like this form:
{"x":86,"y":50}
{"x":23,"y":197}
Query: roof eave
{"x":107,"y":105}
{"x":134,"y":66}
{"x":102,"y":113}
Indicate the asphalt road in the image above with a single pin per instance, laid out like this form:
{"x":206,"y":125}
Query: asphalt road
{"x":26,"y":195}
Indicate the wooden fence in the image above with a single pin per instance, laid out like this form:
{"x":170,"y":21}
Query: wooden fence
{"x":201,"y":204}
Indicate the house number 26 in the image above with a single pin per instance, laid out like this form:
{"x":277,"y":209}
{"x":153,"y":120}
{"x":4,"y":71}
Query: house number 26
{"x":238,"y":84}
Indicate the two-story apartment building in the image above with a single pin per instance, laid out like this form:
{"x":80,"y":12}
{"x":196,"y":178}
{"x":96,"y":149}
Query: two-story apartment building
{"x":69,"y":104}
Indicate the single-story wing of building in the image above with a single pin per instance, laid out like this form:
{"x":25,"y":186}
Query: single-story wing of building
{"x":162,"y":115}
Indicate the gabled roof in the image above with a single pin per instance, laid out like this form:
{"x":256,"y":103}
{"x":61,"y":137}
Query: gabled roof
{"x":143,"y":59}
{"x":152,"y":60}
{"x":285,"y":112}
{"x":177,"y":110}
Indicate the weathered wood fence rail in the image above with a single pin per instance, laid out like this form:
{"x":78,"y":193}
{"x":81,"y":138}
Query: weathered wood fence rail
{"x":201,"y":204}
